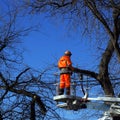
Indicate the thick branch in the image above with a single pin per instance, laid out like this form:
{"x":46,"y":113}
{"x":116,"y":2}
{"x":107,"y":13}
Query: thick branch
{"x":36,"y":97}
{"x":103,"y":70}
{"x":32,"y":116}
{"x":86,"y":72}
{"x":98,"y":15}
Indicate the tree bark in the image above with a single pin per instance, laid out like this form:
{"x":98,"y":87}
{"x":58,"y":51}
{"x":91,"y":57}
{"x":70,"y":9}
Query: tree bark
{"x":1,"y":116}
{"x":103,"y":75}
{"x":103,"y":70}
{"x":32,"y":110}
{"x":116,"y":118}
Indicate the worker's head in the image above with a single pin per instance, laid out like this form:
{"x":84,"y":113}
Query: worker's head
{"x":68,"y":53}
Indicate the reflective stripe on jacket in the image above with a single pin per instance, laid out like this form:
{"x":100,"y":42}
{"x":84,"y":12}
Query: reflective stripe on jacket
{"x":65,"y":70}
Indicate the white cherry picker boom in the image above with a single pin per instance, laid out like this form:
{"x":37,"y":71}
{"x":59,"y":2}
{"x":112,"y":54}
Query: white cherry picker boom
{"x":74,"y":102}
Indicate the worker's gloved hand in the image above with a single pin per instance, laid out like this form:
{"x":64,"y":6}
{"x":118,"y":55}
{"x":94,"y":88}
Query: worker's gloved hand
{"x":73,"y":69}
{"x":71,"y":73}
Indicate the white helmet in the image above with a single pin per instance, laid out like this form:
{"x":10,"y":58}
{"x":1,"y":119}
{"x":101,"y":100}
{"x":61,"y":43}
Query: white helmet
{"x":68,"y":52}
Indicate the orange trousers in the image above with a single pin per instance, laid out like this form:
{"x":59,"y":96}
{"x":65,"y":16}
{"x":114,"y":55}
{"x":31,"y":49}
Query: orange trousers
{"x":65,"y":80}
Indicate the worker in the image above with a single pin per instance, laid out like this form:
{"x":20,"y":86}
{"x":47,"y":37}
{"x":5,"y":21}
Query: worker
{"x":66,"y":69}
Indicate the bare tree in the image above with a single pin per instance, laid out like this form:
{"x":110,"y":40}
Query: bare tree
{"x":105,"y":14}
{"x":23,"y":96}
{"x":27,"y":97}
{"x":24,"y":90}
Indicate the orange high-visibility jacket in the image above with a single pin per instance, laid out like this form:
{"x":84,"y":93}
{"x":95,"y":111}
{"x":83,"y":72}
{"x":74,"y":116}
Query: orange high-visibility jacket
{"x":64,"y":62}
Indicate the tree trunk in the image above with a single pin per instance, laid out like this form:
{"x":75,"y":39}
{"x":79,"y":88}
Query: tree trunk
{"x":107,"y":86}
{"x":32,"y":117}
{"x":1,"y":116}
{"x":116,"y":118}
{"x":103,"y":76}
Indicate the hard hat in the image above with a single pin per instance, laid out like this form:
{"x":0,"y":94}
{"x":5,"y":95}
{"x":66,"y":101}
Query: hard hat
{"x":68,"y":52}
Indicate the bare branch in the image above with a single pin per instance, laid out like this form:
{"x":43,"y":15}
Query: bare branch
{"x":35,"y":96}
{"x":86,"y":72}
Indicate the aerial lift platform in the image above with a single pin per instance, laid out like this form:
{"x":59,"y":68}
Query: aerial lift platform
{"x":71,"y":102}
{"x":74,"y":102}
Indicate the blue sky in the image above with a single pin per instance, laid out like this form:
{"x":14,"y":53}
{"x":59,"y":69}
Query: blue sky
{"x":45,"y":46}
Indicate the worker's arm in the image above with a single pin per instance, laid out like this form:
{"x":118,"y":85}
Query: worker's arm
{"x":69,"y":64}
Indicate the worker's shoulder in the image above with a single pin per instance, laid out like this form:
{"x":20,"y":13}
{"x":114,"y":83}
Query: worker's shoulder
{"x":66,"y":57}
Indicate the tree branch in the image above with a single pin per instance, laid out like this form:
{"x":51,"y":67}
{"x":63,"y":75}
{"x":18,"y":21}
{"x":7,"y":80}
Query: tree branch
{"x":35,"y":96}
{"x":86,"y":72}
{"x":114,"y":37}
